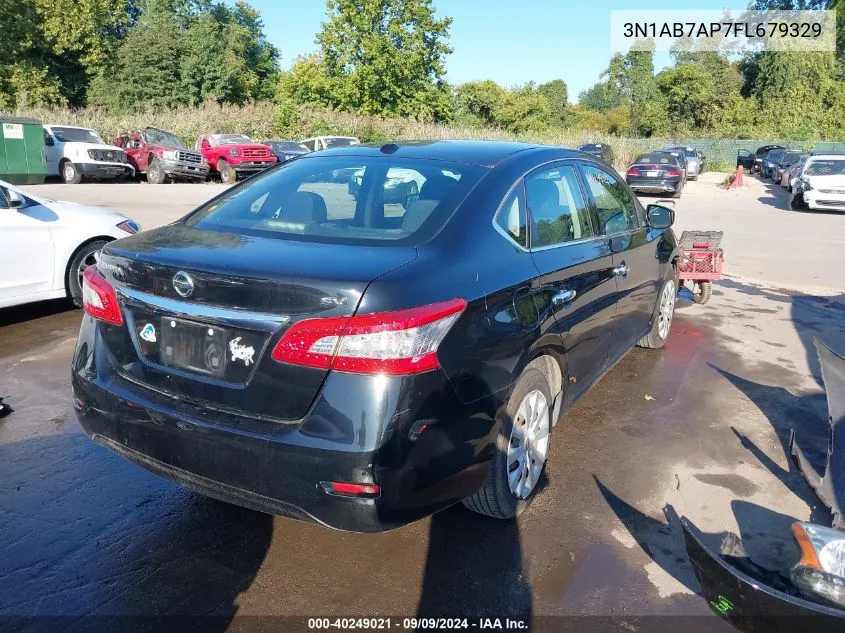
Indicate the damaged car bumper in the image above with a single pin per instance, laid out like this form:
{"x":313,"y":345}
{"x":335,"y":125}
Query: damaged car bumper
{"x":748,"y":603}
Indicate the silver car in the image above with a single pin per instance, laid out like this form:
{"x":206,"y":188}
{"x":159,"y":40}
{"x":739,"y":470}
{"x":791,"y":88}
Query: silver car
{"x":695,"y":160}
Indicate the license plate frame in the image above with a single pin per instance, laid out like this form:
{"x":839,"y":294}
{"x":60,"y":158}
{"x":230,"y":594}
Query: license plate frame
{"x":193,"y":347}
{"x":652,"y":173}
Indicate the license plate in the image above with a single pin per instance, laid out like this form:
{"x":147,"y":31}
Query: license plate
{"x":194,"y":347}
{"x":651,"y":174}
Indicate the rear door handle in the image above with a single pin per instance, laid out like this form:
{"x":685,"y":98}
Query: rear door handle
{"x":563,"y":297}
{"x":621,"y":270}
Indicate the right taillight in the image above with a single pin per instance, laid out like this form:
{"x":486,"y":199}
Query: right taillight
{"x":99,"y":298}
{"x":672,"y":172}
{"x":398,"y":343}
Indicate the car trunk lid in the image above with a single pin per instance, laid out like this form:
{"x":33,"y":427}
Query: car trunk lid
{"x":204,"y":309}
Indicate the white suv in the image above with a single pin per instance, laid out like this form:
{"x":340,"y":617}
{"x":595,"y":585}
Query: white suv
{"x":74,"y":153}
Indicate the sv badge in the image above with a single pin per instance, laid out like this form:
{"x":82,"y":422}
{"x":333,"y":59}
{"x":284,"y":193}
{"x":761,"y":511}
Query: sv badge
{"x":241,"y":352}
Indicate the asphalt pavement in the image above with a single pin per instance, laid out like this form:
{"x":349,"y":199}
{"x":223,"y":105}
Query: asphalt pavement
{"x":697,"y":429}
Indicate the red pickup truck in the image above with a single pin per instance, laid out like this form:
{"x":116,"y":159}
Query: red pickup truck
{"x":161,"y":156}
{"x":233,"y":155}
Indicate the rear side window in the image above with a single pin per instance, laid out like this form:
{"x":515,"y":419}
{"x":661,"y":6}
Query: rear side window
{"x":558,"y":211}
{"x":512,"y":219}
{"x":343,"y":199}
{"x":616,"y":208}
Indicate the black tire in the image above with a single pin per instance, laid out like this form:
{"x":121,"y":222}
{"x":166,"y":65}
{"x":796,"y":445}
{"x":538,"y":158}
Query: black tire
{"x":495,"y":498}
{"x":228,"y":175}
{"x":155,"y":172}
{"x":796,"y":202}
{"x":705,"y":291}
{"x":82,"y":258}
{"x":70,"y":173}
{"x":654,"y":339}
{"x":677,"y":193}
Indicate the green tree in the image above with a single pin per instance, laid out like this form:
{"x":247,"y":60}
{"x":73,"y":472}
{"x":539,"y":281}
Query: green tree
{"x":387,"y":57}
{"x":599,"y":98}
{"x":146,"y":70}
{"x":556,"y":94}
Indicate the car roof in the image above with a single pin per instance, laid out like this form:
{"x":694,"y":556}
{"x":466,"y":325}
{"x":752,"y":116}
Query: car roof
{"x":485,"y":153}
{"x":827,"y":156}
{"x":70,"y":127}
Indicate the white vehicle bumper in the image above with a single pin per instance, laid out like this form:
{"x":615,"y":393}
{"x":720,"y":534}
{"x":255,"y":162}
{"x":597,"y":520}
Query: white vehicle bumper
{"x":825,"y":199}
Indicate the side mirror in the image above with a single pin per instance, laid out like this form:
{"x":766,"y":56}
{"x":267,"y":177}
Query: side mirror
{"x":205,"y":144}
{"x":16,"y":200}
{"x":660,"y":217}
{"x":48,"y":141}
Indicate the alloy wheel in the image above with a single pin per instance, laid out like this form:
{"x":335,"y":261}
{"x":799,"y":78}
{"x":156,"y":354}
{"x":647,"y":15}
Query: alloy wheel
{"x":528,"y":445}
{"x":89,"y":260}
{"x":666,"y":310}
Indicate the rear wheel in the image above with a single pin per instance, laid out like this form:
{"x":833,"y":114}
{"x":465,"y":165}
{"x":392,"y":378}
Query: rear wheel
{"x":84,"y":257}
{"x":227,"y":174}
{"x":664,"y":311}
{"x":678,"y":191}
{"x":155,"y":172}
{"x":70,"y":173}
{"x":521,"y":450}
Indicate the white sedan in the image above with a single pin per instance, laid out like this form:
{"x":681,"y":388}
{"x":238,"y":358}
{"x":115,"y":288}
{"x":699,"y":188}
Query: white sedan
{"x":46,"y":244}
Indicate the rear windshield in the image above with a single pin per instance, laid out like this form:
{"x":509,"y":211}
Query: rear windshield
{"x":657,"y":159}
{"x":834,"y":167}
{"x":76,"y":135}
{"x":348,"y":199}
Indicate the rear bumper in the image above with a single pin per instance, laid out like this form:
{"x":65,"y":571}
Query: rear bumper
{"x":278,"y":467}
{"x":654,"y":186}
{"x":105,"y":170}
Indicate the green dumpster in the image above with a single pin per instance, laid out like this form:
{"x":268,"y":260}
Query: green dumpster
{"x":22,"y":156}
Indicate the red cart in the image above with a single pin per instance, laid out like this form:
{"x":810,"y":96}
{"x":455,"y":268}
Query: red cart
{"x":701,"y":262}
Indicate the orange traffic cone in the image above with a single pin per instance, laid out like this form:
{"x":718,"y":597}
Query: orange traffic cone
{"x":737,"y":179}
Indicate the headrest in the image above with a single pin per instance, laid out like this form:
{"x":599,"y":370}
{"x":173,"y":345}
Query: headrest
{"x":417,"y":213}
{"x":304,"y":207}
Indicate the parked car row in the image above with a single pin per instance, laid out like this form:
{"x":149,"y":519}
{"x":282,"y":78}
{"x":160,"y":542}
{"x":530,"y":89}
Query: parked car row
{"x":74,"y":153}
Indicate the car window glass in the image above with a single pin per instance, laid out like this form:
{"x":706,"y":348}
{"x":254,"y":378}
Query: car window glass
{"x":48,"y":140}
{"x":513,"y":220}
{"x":615,"y":206}
{"x":558,"y":211}
{"x":342,"y":198}
{"x":4,"y":198}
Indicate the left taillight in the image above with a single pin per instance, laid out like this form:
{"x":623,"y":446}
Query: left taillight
{"x":397,"y":343}
{"x":99,"y":298}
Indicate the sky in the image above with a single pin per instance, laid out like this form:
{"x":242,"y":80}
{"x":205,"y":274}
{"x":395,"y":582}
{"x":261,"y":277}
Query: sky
{"x":511,"y":42}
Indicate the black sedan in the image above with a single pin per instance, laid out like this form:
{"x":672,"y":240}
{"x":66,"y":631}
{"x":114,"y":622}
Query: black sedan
{"x":658,"y":172}
{"x":602,"y":150}
{"x":298,"y":350}
{"x":753,"y":162}
{"x":286,"y":150}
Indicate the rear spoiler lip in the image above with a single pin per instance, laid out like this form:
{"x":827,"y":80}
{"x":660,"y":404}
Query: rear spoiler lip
{"x":748,"y":604}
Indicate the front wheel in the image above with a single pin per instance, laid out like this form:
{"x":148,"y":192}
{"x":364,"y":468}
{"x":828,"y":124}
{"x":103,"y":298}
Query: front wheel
{"x":227,"y":174}
{"x":83,"y":258}
{"x":155,"y":172}
{"x":796,"y":202}
{"x":521,"y":450}
{"x":664,"y":311}
{"x":71,"y":173}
